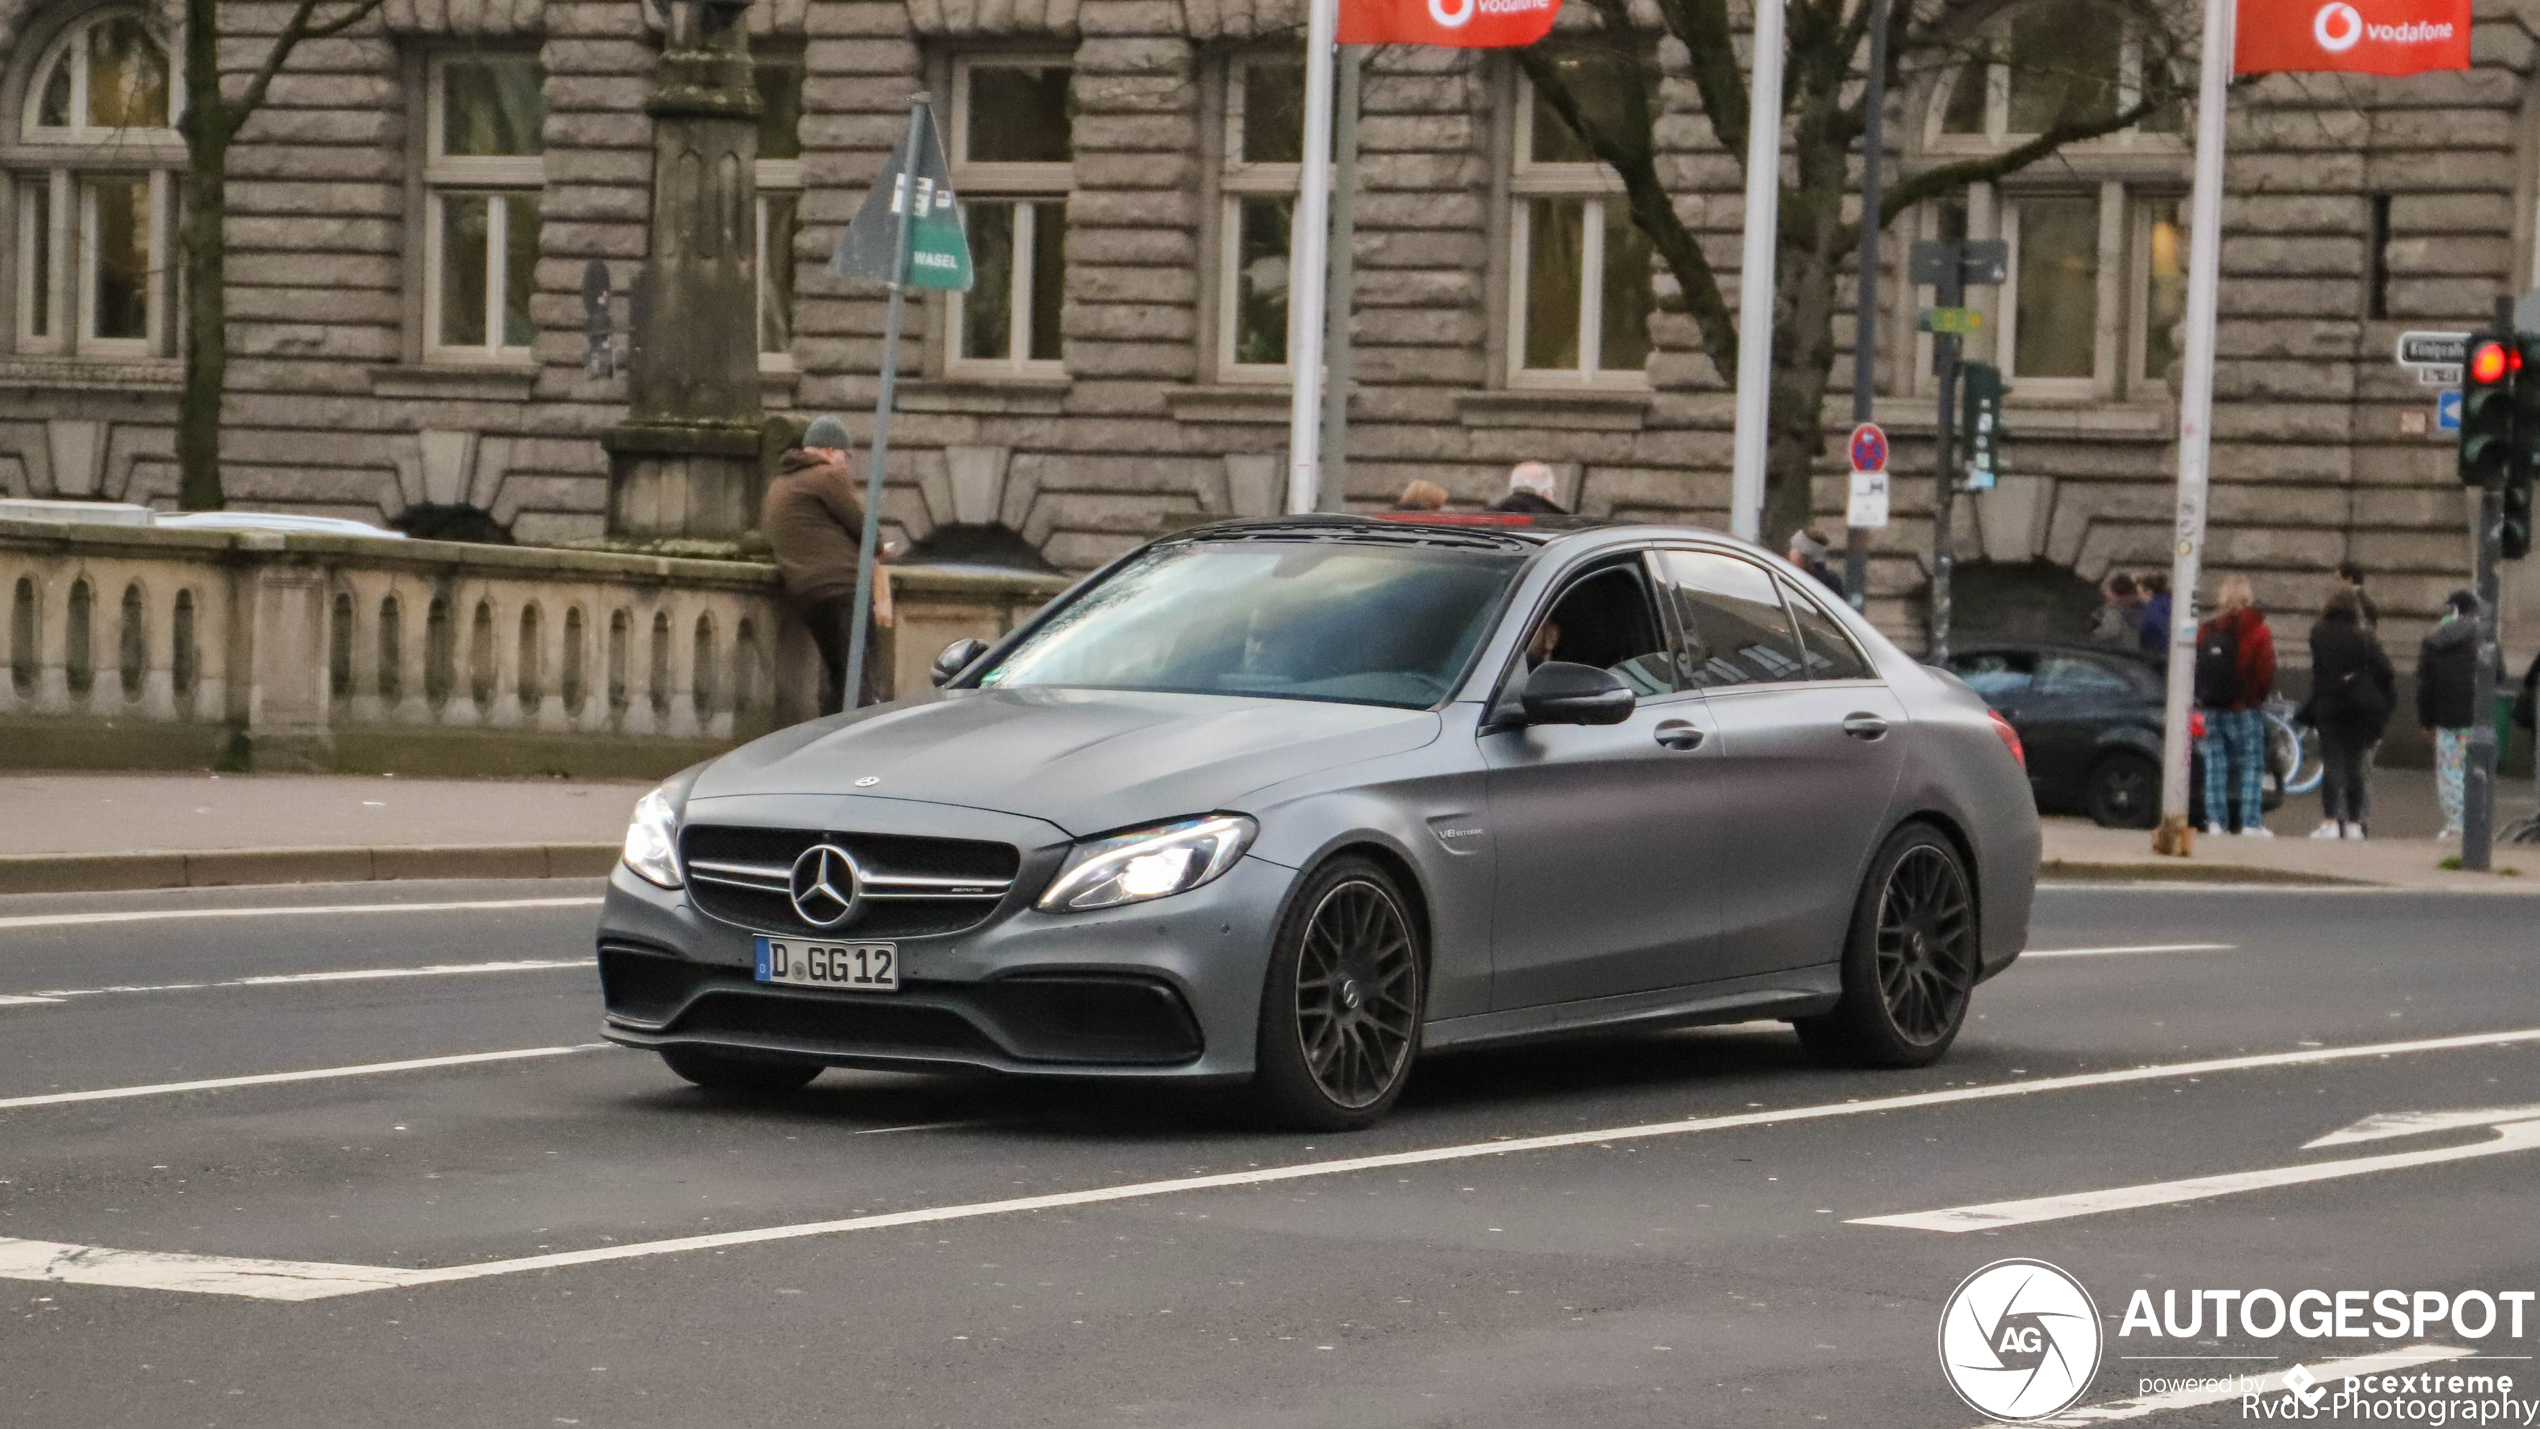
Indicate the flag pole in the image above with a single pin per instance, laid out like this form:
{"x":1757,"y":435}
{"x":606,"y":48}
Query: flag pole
{"x":1332,"y":491}
{"x":1309,"y":233}
{"x":1749,"y":446}
{"x":2195,"y":429}
{"x":902,"y":212}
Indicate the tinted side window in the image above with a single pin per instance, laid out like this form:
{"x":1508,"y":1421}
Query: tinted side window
{"x":1994,"y":672}
{"x":1823,"y":644}
{"x":1606,"y":620}
{"x":2072,"y":675}
{"x":1736,"y":631}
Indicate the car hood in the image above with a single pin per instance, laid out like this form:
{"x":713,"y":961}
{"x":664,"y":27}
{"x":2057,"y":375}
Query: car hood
{"x":1088,"y":761}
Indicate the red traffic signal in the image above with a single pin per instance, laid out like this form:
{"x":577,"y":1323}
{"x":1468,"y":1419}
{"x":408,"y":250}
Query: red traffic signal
{"x":2490,"y":361}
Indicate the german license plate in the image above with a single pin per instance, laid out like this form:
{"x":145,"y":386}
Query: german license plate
{"x":841,"y":967}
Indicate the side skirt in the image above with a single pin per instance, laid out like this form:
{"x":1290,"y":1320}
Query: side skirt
{"x":1798,"y":992}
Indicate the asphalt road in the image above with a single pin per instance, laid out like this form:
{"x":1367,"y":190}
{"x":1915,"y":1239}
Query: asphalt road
{"x":1679,"y":1245}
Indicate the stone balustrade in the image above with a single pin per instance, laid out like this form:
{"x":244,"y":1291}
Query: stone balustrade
{"x":139,"y":647}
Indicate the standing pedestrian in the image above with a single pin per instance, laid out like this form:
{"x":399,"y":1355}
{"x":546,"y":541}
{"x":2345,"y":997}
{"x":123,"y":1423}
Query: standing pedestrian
{"x":2117,"y":621}
{"x":1421,"y":495}
{"x":1808,"y":552}
{"x":2351,"y":576}
{"x":1530,"y":488}
{"x":2155,"y":626}
{"x":2235,"y":672}
{"x":814,"y":523}
{"x":2352,"y":691}
{"x":2447,"y":703}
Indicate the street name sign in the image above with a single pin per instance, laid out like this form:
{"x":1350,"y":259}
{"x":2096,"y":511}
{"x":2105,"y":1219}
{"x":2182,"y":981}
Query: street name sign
{"x":2433,"y":349}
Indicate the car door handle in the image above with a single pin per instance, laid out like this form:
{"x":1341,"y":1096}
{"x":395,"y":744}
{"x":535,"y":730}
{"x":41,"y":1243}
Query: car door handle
{"x":1864,"y":725}
{"x":1678,"y":734}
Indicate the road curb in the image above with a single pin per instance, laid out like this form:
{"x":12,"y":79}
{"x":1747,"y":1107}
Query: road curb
{"x":123,"y":872}
{"x":2069,"y":870}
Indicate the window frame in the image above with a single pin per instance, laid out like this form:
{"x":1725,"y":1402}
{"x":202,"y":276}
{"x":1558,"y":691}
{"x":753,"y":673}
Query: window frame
{"x":79,"y":133}
{"x":1595,"y":186}
{"x":780,"y":179}
{"x":1997,"y":132}
{"x":1671,"y":606}
{"x":1239,"y":180}
{"x":499,"y":178}
{"x":1023,"y":186}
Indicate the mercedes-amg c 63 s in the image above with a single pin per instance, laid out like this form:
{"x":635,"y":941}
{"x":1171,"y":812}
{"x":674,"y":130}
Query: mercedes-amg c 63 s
{"x":1291,"y":801}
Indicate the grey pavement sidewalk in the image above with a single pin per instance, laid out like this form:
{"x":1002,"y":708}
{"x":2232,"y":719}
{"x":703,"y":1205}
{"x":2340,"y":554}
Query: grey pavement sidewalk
{"x":92,"y":832}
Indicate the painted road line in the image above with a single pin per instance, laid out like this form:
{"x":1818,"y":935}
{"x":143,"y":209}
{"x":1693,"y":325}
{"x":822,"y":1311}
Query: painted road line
{"x":356,"y":1278}
{"x":201,"y":1274}
{"x":2520,"y":1136}
{"x":2117,"y":1411}
{"x":517,"y":965}
{"x":151,"y":915}
{"x":2143,"y":948}
{"x":317,"y":1074}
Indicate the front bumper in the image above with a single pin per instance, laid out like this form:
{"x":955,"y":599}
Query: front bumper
{"x":1163,"y":990}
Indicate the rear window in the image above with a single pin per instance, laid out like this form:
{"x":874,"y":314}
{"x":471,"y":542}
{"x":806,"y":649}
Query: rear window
{"x":1349,"y":621}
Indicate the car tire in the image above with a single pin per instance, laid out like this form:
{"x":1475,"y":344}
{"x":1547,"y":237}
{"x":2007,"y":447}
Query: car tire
{"x":2123,"y":792}
{"x":1342,"y":1001}
{"x":738,"y":1077}
{"x":1910,"y":960}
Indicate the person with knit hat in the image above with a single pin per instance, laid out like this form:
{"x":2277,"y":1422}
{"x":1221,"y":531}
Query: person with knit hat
{"x":814,"y":521}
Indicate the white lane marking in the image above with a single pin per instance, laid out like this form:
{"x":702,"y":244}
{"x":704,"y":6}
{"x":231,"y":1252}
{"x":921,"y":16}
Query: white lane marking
{"x":354,"y":1278}
{"x":316,"y":1074}
{"x":149,"y":915}
{"x":2140,"y":948}
{"x":201,"y":1274}
{"x":2117,"y":1411}
{"x":2522,"y":1136}
{"x":517,"y":965}
{"x":2418,"y":1123}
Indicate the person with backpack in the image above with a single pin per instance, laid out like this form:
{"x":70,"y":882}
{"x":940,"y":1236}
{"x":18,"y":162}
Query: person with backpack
{"x":2235,"y":672}
{"x":2352,"y":691}
{"x":2447,"y":701}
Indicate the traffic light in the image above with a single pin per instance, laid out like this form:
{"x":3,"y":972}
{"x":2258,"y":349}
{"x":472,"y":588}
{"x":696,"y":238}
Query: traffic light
{"x":2516,"y":534}
{"x":2487,"y":412}
{"x":1981,"y":434}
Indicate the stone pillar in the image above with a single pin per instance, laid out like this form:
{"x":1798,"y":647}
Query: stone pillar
{"x":686,"y":460}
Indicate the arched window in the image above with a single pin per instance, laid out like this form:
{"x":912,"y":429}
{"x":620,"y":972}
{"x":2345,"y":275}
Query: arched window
{"x":92,"y":196}
{"x":2097,"y":274}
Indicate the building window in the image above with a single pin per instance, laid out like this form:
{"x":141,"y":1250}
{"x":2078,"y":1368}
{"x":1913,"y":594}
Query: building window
{"x":92,"y":194}
{"x":1583,"y":269}
{"x":1265,"y":152}
{"x":780,"y":190}
{"x":483,"y":171}
{"x":1013,"y":158}
{"x":2050,"y":63}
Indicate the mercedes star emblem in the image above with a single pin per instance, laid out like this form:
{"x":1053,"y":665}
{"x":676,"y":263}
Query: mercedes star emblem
{"x":823,"y":886}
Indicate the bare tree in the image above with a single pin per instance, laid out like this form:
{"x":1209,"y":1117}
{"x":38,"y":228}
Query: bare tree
{"x":210,"y":125}
{"x":1605,"y":85}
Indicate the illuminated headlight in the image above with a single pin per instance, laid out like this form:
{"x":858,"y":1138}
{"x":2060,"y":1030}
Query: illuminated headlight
{"x":1148,"y":863}
{"x":652,"y":840}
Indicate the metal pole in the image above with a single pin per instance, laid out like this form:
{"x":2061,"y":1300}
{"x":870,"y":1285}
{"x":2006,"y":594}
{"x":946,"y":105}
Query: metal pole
{"x":853,"y":694}
{"x":2195,"y":427}
{"x":1751,"y":445}
{"x":1856,"y":542}
{"x":2478,"y":782}
{"x":1332,"y":492}
{"x":1308,"y":234}
{"x":1950,"y":292}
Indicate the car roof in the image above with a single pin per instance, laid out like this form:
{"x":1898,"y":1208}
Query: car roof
{"x":1469,"y":529}
{"x":2056,"y":647}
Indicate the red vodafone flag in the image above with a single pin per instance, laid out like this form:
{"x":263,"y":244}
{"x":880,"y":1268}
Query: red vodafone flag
{"x":1461,"y":24}
{"x":2357,"y":36}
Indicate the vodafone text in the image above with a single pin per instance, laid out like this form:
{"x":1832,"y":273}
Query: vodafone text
{"x":2332,"y":1315}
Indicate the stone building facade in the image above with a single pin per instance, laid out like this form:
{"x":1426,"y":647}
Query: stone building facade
{"x":414,"y":214}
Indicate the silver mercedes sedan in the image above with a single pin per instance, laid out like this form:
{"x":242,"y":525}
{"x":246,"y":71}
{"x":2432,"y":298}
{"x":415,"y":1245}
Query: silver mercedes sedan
{"x":1289,"y":802}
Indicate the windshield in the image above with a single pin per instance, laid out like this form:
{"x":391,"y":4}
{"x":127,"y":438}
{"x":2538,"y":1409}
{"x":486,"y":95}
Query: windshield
{"x":1356,"y":622}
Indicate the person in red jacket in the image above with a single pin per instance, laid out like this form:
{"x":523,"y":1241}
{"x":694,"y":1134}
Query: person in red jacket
{"x":2235,"y":672}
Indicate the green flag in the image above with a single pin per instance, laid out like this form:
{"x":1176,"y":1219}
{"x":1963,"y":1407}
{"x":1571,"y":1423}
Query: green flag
{"x":938,"y":249}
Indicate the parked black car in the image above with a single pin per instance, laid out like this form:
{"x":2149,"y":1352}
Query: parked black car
{"x":2090,"y":718}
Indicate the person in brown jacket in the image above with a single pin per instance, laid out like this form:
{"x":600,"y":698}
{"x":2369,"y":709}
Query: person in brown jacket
{"x":815,"y":527}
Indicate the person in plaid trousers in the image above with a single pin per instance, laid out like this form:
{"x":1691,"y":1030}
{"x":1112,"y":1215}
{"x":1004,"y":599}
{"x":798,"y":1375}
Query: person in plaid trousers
{"x":2235,"y":672}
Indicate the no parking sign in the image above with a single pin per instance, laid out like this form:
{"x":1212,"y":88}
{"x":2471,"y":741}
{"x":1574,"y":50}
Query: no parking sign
{"x":1867,"y":505}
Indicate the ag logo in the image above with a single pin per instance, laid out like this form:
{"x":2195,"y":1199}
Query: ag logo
{"x":2337,"y":27}
{"x":2019,"y":1340}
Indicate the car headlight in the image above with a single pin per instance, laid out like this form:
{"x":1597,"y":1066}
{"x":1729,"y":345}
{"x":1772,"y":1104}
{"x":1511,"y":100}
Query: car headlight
{"x":652,"y":840}
{"x":1148,"y":863}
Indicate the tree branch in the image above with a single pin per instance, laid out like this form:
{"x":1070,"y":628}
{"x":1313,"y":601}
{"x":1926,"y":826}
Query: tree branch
{"x":1911,"y":189}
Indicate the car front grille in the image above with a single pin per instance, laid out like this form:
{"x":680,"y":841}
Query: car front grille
{"x":908,"y":887}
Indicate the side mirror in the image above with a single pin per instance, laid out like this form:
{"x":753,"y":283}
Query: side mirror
{"x":1559,"y":692}
{"x":957,"y":657}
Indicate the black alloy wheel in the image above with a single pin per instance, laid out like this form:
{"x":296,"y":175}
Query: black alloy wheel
{"x":739,"y":1078}
{"x":1910,"y":964}
{"x":1340,"y":1013}
{"x":2123,"y":792}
